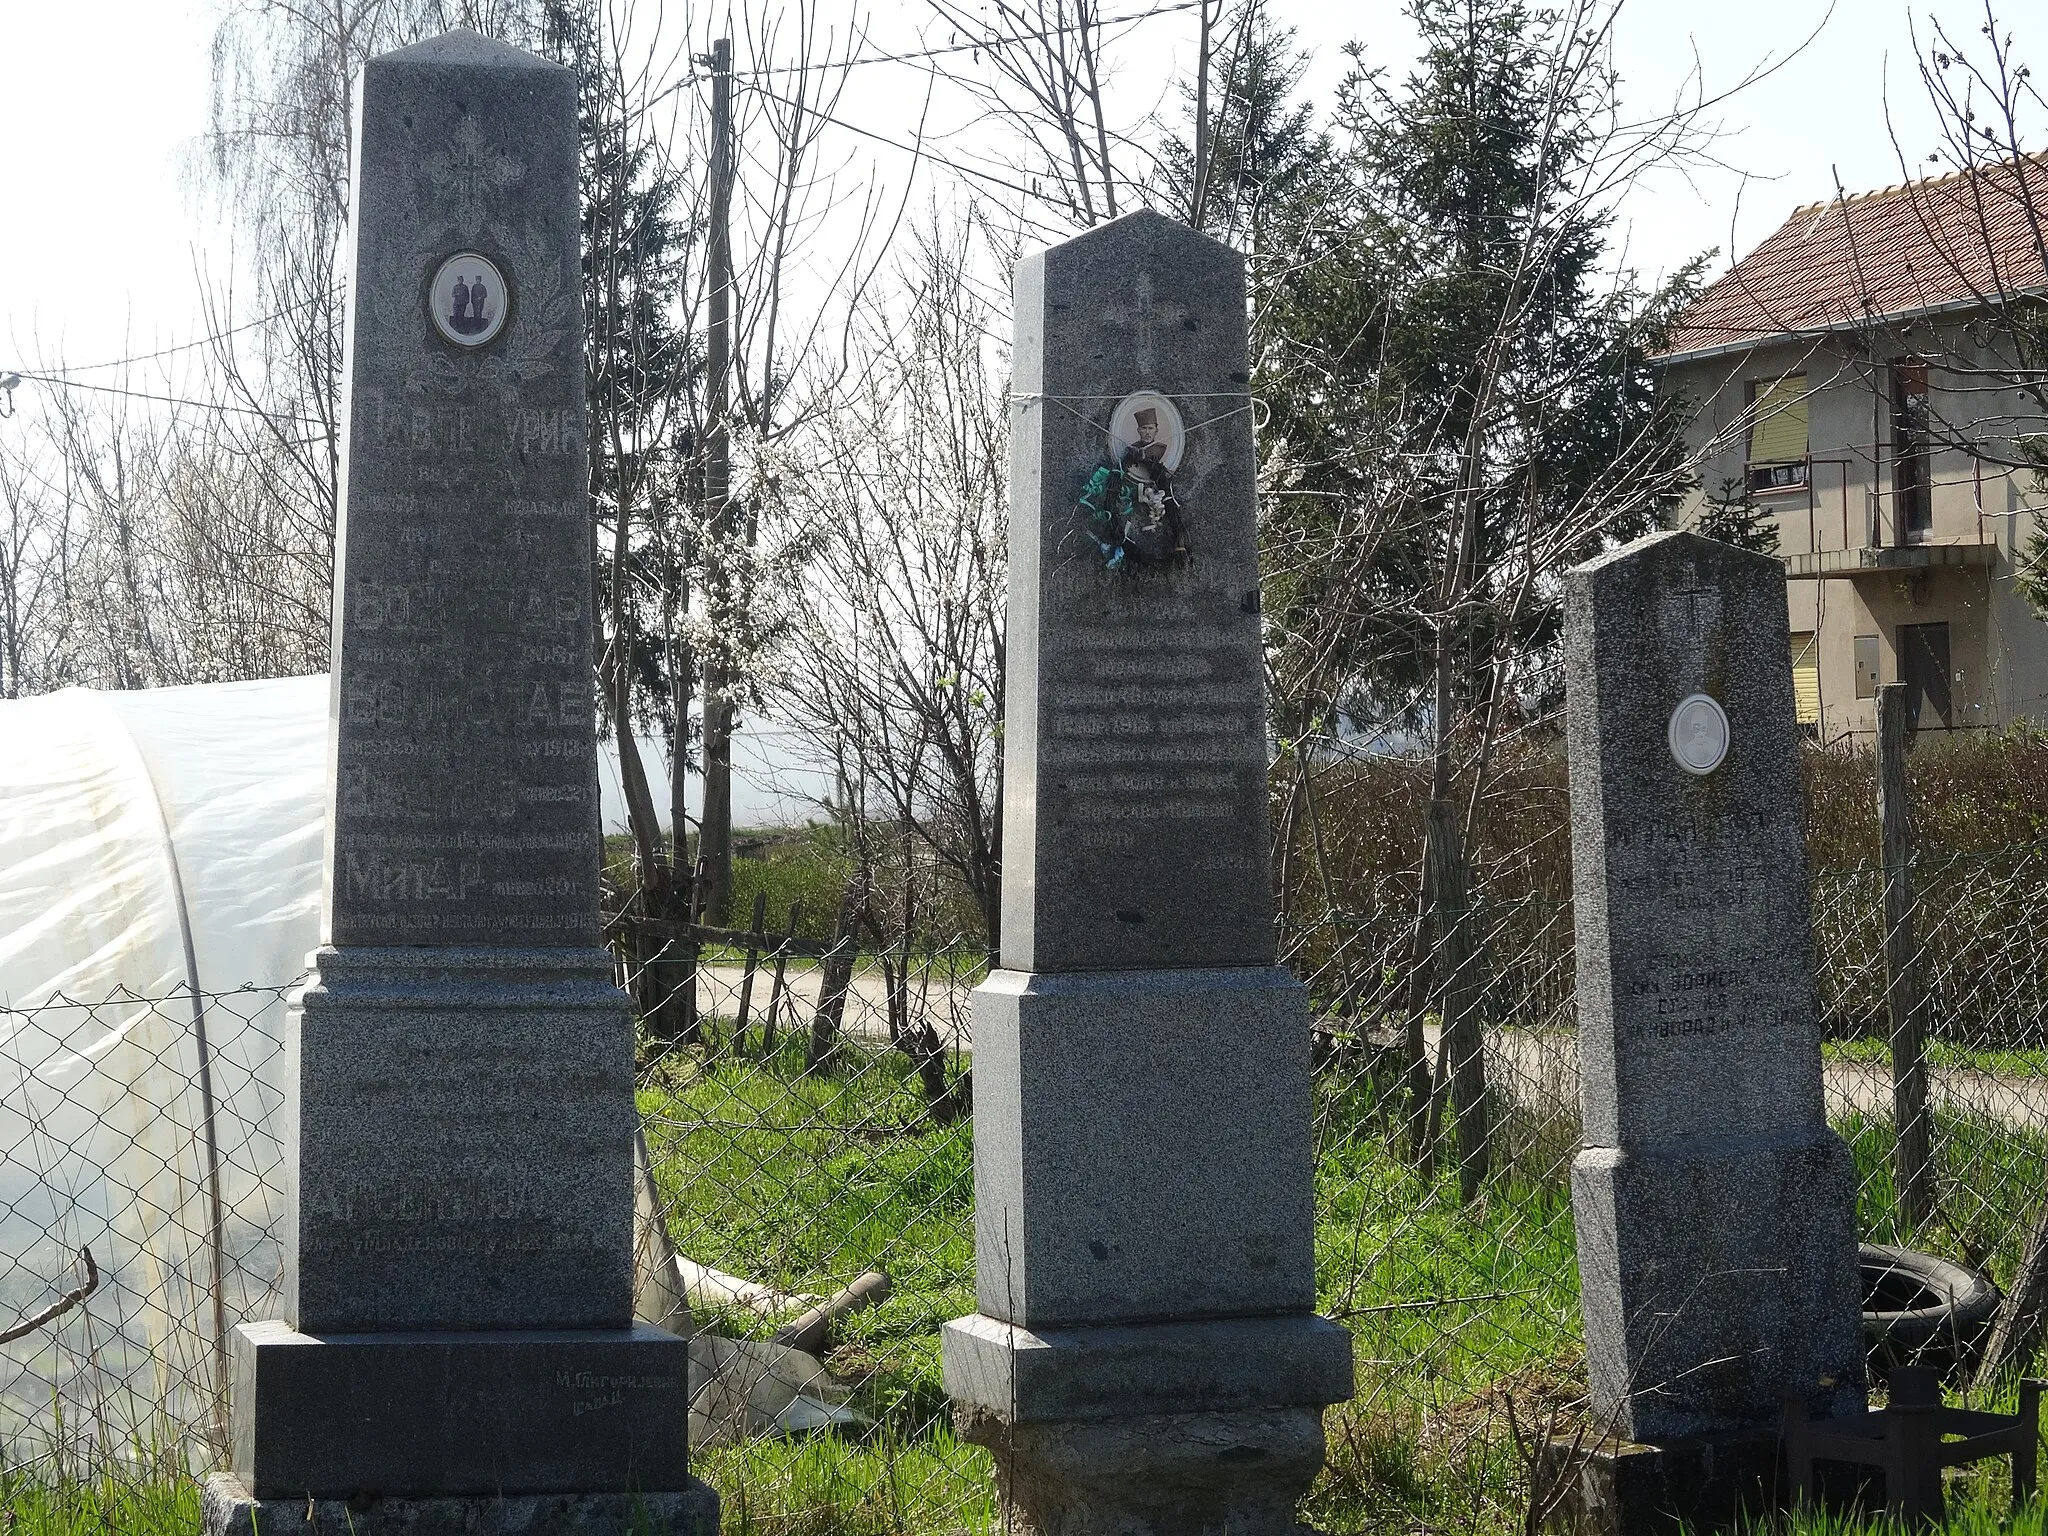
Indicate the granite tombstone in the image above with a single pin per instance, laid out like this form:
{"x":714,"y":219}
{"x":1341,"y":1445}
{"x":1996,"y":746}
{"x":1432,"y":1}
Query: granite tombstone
{"x":1145,"y":1354}
{"x":458,"y":1349}
{"x":1714,"y":1208}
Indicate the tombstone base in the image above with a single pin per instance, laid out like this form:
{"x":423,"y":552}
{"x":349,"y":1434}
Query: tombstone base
{"x":1169,"y":1429}
{"x":459,"y":1415}
{"x":1170,"y":1474}
{"x":229,"y":1509}
{"x":1623,"y":1488}
{"x":1216,"y":1365}
{"x":1717,"y":1275}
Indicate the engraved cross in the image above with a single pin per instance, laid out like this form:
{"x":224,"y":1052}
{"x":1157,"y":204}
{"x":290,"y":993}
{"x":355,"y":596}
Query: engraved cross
{"x":469,"y":172}
{"x":1692,"y":596}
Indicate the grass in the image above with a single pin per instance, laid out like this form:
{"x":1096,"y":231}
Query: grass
{"x":806,"y":1181}
{"x":109,"y":1503}
{"x":1990,"y":1180}
{"x":1454,"y":1311}
{"x":1459,"y":1314}
{"x":1969,"y":1515}
{"x":1943,"y":1053}
{"x":879,"y":1485}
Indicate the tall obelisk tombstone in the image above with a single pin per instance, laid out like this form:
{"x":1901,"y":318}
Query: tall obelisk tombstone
{"x":1145,"y":1356}
{"x":458,"y":1350}
{"x":1714,"y":1208}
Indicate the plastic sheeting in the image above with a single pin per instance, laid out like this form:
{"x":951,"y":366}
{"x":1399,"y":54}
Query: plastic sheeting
{"x":158,"y":839}
{"x":160,"y":870}
{"x":159,"y":891}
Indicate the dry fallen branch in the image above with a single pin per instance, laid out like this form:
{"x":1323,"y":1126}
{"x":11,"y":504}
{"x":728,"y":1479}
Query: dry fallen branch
{"x":61,"y":1305}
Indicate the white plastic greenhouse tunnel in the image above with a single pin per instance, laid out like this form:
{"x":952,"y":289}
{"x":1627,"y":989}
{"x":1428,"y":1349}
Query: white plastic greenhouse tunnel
{"x":160,"y":861}
{"x":160,"y":886}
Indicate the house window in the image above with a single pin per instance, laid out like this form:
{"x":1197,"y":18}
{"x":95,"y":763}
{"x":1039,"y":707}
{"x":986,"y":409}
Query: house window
{"x":1777,"y":434}
{"x":1912,"y":443}
{"x":1923,"y":668}
{"x":1806,"y":678}
{"x":1866,"y":666}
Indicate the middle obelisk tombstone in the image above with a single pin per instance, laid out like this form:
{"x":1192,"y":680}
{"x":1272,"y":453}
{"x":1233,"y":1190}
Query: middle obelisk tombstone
{"x":1146,"y":1354}
{"x":458,"y":1351}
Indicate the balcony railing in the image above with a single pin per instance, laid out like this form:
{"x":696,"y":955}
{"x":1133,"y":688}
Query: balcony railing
{"x":1880,"y":522}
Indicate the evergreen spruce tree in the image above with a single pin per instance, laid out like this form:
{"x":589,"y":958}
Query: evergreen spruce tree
{"x":1732,"y":516}
{"x":643,"y":371}
{"x":1460,"y":402}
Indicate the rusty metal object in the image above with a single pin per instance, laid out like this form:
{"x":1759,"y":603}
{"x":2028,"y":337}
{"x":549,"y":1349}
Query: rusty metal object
{"x":1908,"y":1442}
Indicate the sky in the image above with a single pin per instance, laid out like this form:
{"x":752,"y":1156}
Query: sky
{"x":103,"y":104}
{"x":104,"y":228}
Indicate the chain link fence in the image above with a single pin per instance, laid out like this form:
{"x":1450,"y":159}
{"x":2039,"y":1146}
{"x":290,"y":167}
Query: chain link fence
{"x":807,"y":1125}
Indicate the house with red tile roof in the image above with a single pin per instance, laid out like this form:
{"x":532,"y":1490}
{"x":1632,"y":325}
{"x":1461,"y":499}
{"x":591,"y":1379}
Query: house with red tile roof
{"x":1873,"y":379}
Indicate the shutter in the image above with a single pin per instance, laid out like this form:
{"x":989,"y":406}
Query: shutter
{"x":1778,"y":421}
{"x":1806,"y":678}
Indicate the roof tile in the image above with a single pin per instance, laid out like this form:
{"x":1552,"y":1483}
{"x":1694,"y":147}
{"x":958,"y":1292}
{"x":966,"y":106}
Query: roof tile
{"x":1947,"y":240}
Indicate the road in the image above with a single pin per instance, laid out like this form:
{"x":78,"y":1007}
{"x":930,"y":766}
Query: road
{"x":1544,"y":1069}
{"x":867,"y":1000}
{"x":1536,"y":1069}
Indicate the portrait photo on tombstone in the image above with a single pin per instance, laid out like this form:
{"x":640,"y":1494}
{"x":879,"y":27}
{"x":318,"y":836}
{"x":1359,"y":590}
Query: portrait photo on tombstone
{"x":467,"y":299}
{"x":1129,"y":507}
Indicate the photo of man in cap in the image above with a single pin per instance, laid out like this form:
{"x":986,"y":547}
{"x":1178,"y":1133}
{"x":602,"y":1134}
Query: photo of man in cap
{"x":1129,"y":509}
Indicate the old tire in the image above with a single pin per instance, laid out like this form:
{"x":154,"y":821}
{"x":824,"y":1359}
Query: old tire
{"x":1922,"y":1310}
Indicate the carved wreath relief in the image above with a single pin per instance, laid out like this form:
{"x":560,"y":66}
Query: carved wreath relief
{"x":1128,"y":507}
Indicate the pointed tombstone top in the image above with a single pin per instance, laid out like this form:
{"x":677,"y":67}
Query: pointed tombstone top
{"x":1681,"y":545}
{"x":1135,"y":738}
{"x":1146,"y":226}
{"x":466,"y":48}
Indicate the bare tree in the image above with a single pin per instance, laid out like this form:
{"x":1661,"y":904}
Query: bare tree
{"x":1461,"y":407}
{"x":1048,"y":70}
{"x":893,"y":659}
{"x":277,"y":157}
{"x":37,"y":552}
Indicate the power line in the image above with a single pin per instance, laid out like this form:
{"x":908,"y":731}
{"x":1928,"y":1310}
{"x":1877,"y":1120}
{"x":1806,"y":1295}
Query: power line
{"x":184,"y":346}
{"x":918,"y":149}
{"x":60,"y":382}
{"x":989,"y":44}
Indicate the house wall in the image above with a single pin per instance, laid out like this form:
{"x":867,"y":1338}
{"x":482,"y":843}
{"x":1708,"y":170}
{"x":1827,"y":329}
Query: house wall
{"x":2019,"y":640}
{"x":1998,"y":648}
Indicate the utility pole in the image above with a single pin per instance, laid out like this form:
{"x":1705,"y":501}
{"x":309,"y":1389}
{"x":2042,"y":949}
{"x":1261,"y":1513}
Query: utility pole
{"x":714,"y":845}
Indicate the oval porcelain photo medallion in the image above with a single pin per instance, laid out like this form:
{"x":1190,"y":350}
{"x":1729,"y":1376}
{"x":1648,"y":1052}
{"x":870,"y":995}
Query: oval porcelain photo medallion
{"x":1698,"y":733}
{"x":468,"y":299}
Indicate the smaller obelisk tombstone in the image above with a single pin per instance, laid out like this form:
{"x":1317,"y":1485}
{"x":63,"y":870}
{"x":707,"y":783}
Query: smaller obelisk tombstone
{"x":1146,"y":1355}
{"x":1714,"y":1209}
{"x":457,"y":1350}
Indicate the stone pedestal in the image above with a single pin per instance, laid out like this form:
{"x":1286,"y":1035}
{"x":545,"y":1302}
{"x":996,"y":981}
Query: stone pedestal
{"x":457,"y":1350}
{"x":1145,"y":1360}
{"x":227,"y":1506}
{"x":1711,"y":1278}
{"x":1094,"y":1429}
{"x":1128,"y":1168}
{"x":593,"y":1410}
{"x":1714,"y":1209}
{"x":1173,"y":1474}
{"x":1685,"y":1487}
